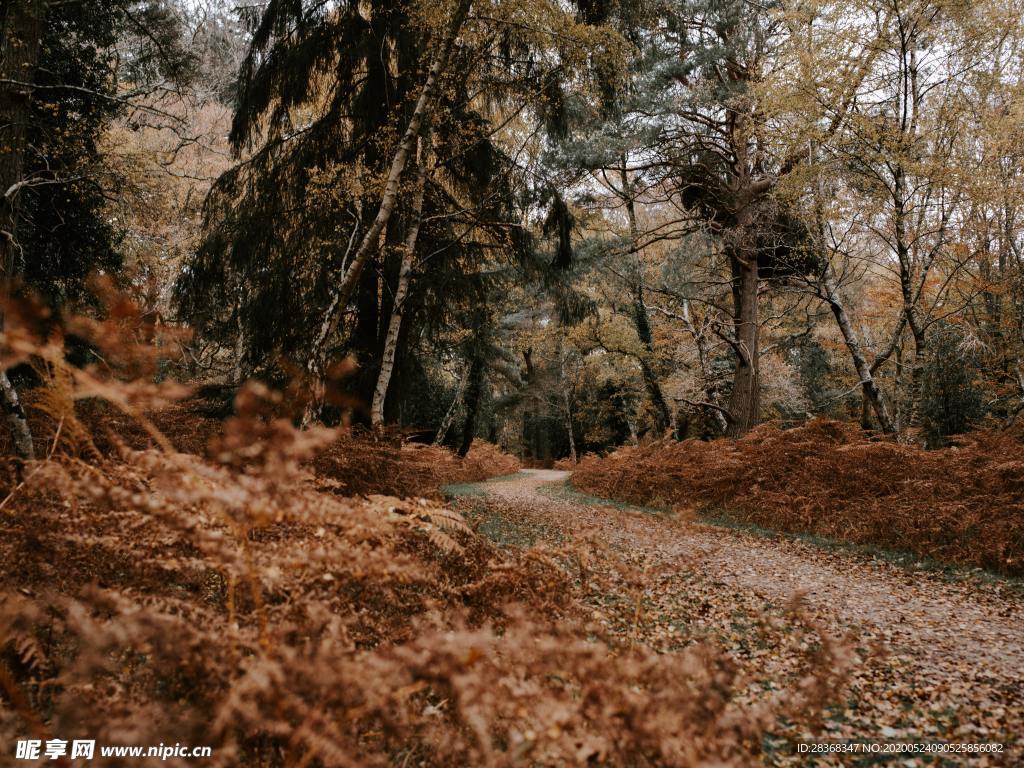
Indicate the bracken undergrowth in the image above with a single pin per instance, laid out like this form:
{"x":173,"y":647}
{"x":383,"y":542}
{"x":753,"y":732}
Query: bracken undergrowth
{"x":260,"y":593}
{"x":962,"y":505}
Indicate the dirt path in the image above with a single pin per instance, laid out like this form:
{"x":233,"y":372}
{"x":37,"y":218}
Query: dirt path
{"x":938,"y":658}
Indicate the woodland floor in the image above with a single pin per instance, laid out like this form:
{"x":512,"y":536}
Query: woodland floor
{"x":939,"y":656}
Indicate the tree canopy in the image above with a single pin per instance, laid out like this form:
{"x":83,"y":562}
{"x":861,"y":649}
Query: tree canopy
{"x":470,"y":218}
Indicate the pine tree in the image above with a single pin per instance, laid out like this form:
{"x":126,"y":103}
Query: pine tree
{"x":689,"y":127}
{"x":306,"y":236}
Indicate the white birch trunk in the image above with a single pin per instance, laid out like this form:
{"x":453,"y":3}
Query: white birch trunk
{"x":568,"y":427}
{"x":16,"y":420}
{"x":395,"y":323}
{"x":453,"y":410}
{"x":317,"y":361}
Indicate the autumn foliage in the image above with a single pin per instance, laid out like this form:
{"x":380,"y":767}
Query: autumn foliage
{"x":382,"y":463}
{"x":360,"y":462}
{"x":963,"y":504}
{"x":259,"y":594}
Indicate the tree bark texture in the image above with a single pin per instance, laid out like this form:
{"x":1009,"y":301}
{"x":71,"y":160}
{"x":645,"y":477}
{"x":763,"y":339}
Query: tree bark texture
{"x":705,"y":369}
{"x":745,"y":401}
{"x":473,"y":398}
{"x":405,"y":271}
{"x":451,"y":413}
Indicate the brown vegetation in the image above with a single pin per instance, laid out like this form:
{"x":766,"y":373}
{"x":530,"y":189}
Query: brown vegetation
{"x":261,"y":609}
{"x":246,"y":601}
{"x":375,"y":463}
{"x":361,"y":462}
{"x":285,"y":624}
{"x":962,"y":505}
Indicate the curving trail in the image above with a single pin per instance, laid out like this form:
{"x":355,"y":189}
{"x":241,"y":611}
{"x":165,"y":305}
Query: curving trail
{"x":939,"y":657}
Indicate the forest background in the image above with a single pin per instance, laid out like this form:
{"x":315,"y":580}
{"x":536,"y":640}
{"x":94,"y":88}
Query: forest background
{"x":599,"y":224}
{"x":754,"y":267}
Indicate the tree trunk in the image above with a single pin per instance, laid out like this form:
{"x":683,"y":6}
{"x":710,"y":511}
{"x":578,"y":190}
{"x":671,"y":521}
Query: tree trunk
{"x":395,"y":324}
{"x":871,"y":391}
{"x":317,"y":362}
{"x":531,"y":416}
{"x":898,"y":390}
{"x":641,"y":320}
{"x":568,"y":427}
{"x":745,"y":402}
{"x":22,"y":30}
{"x":917,"y":372}
{"x":917,"y":329}
{"x":568,"y":411}
{"x":451,"y":413}
{"x":16,"y":420}
{"x":662,"y":415}
{"x":865,"y":412}
{"x":705,"y":369}
{"x":473,"y":397}
{"x":238,"y":373}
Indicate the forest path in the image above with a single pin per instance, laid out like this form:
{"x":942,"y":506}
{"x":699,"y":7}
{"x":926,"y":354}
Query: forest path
{"x":940,"y":657}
